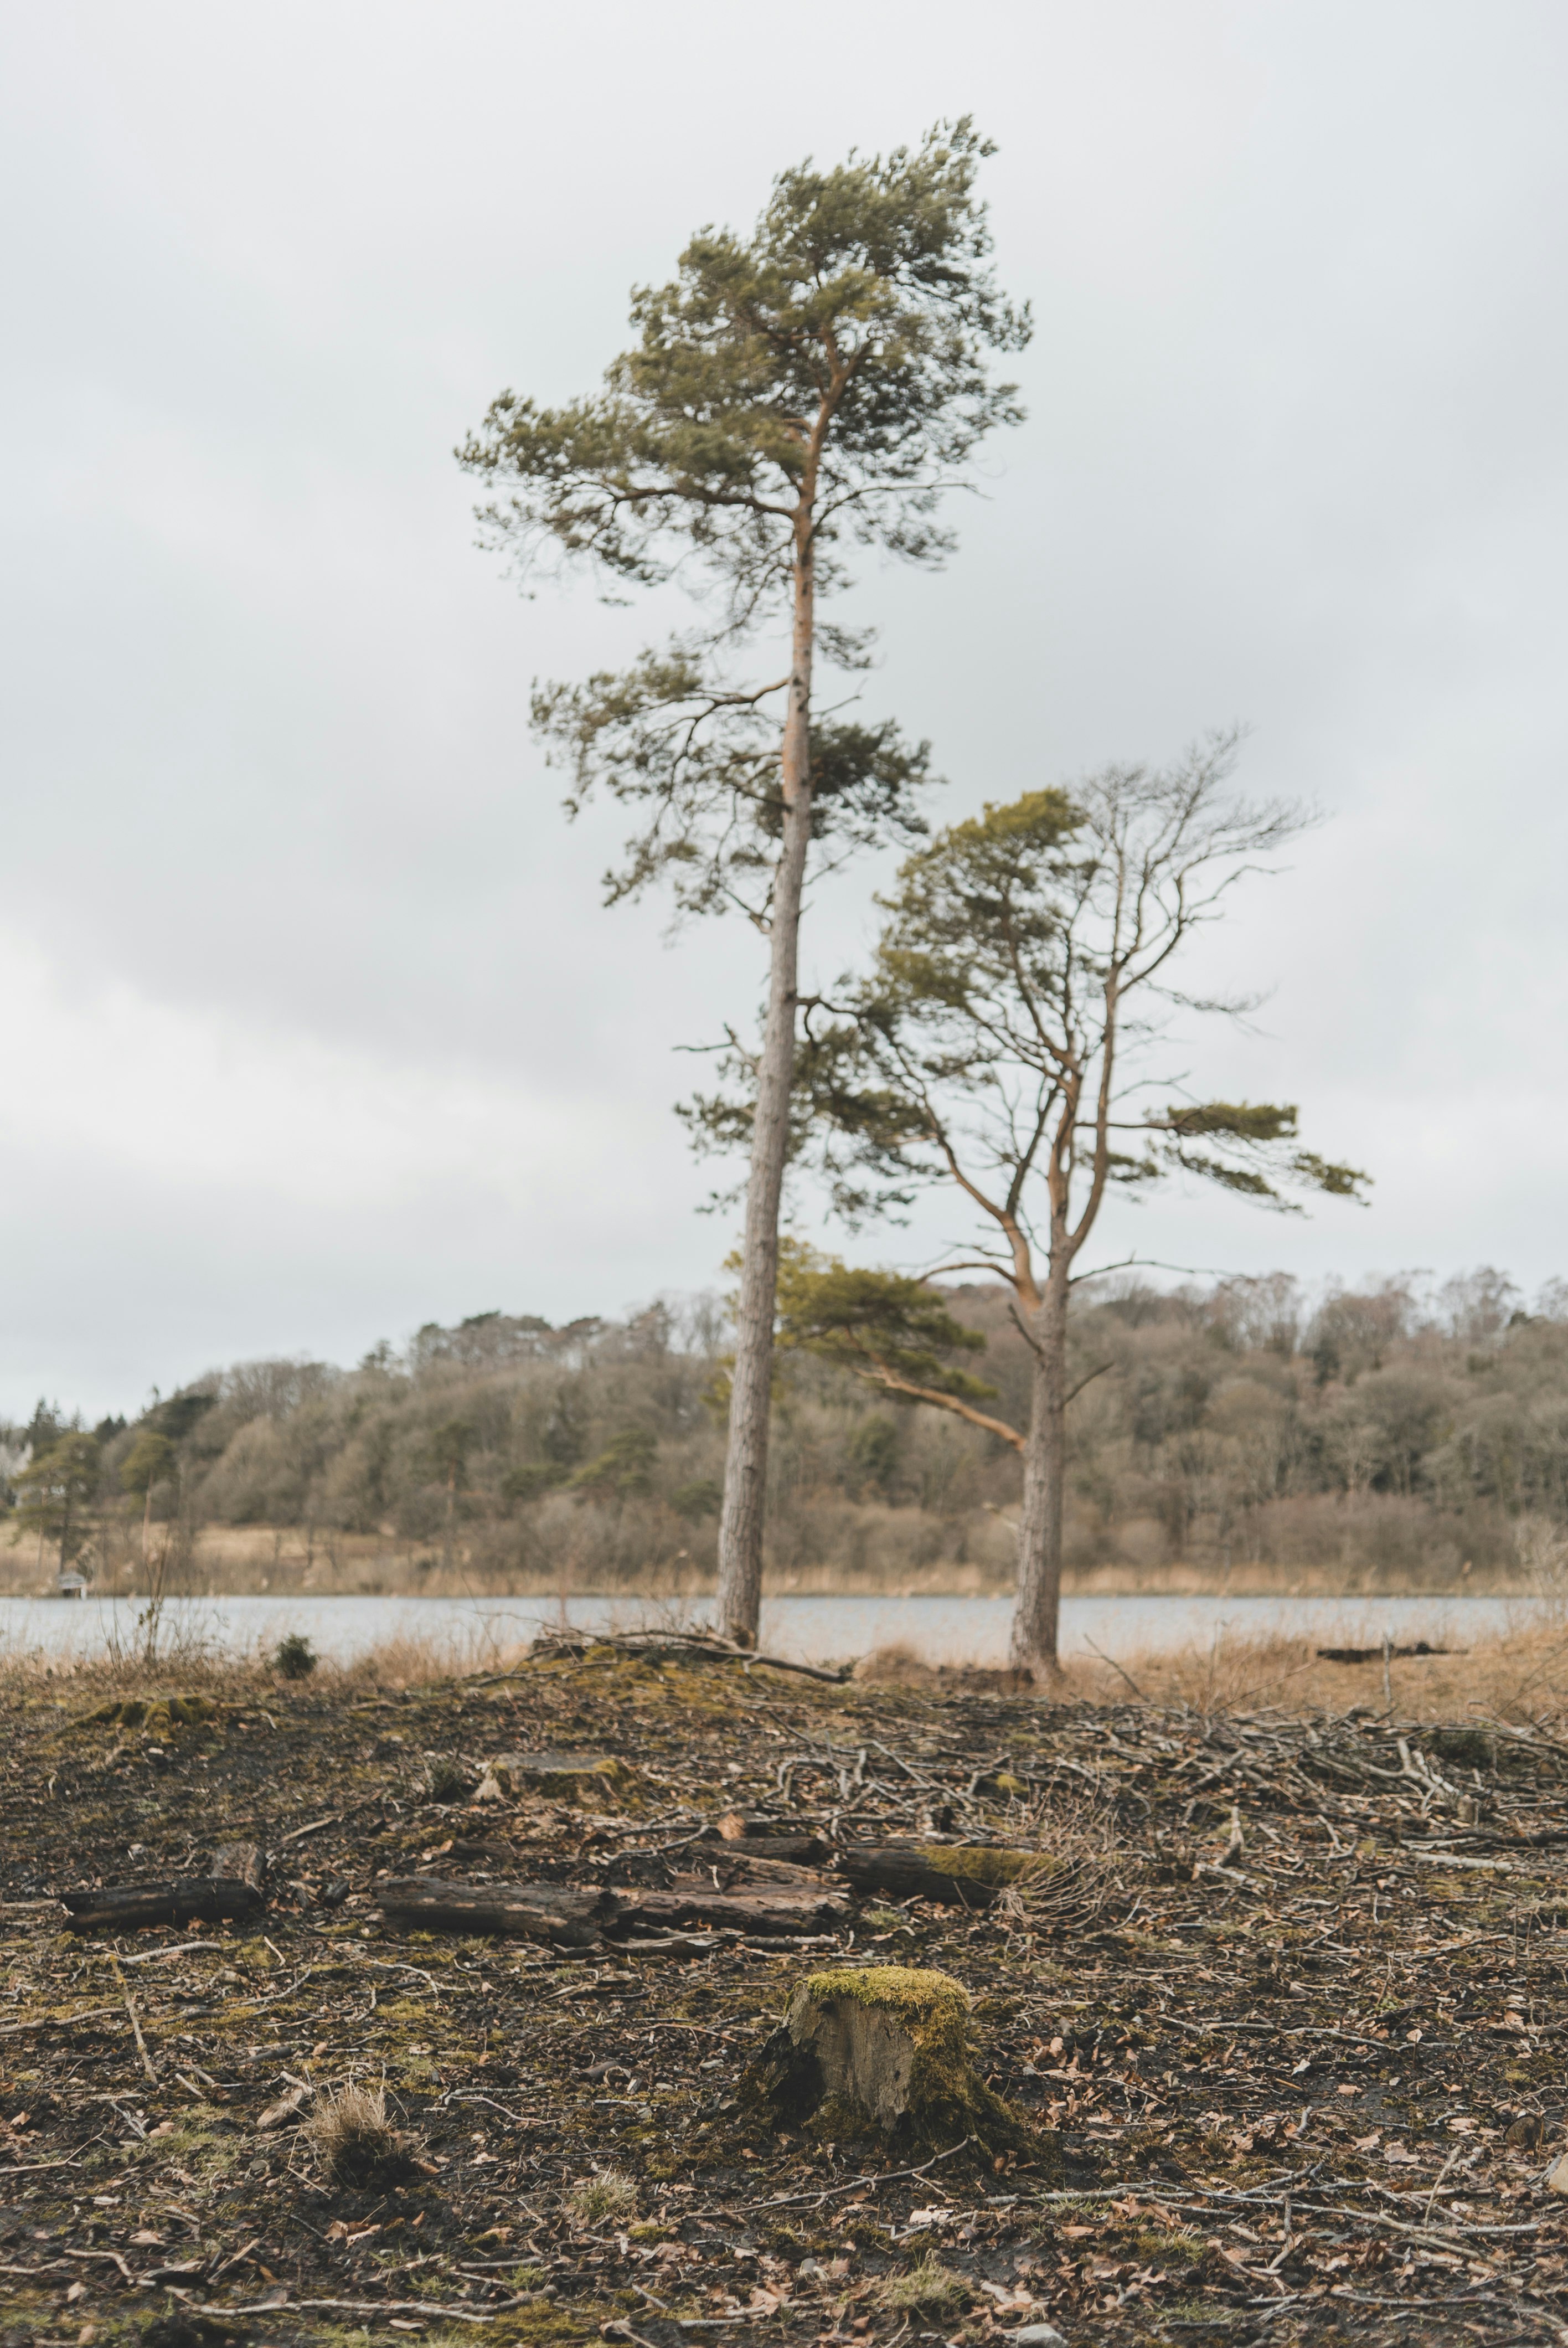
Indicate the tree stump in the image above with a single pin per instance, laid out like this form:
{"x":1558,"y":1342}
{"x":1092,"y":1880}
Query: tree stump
{"x":241,"y":1862}
{"x":885,"y":2052}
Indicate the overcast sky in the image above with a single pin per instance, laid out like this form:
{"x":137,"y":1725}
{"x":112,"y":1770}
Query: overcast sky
{"x":313,"y":1027}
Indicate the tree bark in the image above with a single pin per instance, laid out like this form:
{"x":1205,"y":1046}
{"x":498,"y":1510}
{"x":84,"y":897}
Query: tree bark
{"x":234,"y":1892}
{"x":241,"y":1862}
{"x":690,"y":1902}
{"x":751,"y":1389}
{"x":562,"y":1915}
{"x":1039,"y":1604}
{"x":573,"y":1918}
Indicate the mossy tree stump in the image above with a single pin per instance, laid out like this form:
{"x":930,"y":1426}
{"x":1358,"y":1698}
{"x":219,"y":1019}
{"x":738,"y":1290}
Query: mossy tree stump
{"x":885,"y":2050}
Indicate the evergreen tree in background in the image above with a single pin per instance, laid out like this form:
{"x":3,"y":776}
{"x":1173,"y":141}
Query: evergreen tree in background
{"x":57,"y":1489}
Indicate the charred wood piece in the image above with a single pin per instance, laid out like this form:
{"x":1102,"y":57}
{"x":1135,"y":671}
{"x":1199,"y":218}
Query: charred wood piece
{"x":770,"y":1838}
{"x":1375,"y":1654}
{"x":763,"y":1913}
{"x":232,"y":1894}
{"x":565,"y":1917}
{"x":571,"y":1918}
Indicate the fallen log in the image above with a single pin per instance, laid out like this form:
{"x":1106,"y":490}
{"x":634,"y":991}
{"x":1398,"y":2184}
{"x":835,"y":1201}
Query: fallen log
{"x":555,"y":1777}
{"x":576,"y":1918}
{"x":769,"y":1850}
{"x":1375,"y":1654}
{"x":565,"y":1916}
{"x":764,"y":1912}
{"x":958,"y":1875}
{"x":232,"y":1894}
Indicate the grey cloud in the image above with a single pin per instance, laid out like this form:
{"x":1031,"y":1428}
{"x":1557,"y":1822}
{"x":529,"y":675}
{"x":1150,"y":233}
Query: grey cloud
{"x":1295,"y":455}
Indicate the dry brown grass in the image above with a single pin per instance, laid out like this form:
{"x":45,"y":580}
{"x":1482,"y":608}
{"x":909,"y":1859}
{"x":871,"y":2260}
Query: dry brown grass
{"x":928,"y":2287}
{"x":608,"y":2195}
{"x":1519,"y":1676}
{"x":355,"y":2140}
{"x":187,"y":1659}
{"x":899,"y":1663}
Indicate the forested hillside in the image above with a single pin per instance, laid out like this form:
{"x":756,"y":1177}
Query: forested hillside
{"x":1382,"y":1435}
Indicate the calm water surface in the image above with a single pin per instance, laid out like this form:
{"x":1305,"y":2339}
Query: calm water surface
{"x":470,"y":1631}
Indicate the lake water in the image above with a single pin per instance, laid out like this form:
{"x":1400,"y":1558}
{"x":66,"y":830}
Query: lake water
{"x":472,"y":1632}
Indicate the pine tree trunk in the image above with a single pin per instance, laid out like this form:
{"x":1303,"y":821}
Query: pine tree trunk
{"x":1039,"y":1603}
{"x":746,"y":1459}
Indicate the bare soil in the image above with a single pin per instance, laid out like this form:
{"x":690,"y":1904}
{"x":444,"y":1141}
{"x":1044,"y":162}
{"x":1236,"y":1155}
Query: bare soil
{"x":1290,"y":2038}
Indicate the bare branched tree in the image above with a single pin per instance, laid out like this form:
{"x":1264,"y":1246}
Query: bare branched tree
{"x":1005,"y":1042}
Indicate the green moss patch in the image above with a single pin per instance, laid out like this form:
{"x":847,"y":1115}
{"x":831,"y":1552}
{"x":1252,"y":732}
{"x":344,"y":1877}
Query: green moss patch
{"x":914,"y":1994}
{"x":985,"y":1864}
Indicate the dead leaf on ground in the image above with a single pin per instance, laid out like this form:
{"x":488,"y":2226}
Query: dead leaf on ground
{"x":284,"y":2109}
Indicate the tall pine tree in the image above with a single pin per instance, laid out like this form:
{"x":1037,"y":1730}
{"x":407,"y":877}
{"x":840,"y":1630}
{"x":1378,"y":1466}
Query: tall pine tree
{"x":817,"y":386}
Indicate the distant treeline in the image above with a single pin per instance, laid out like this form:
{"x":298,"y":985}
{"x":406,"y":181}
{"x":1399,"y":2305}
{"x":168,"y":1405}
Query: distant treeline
{"x":1380,"y":1433}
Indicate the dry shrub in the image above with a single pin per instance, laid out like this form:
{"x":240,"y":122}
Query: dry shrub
{"x":171,"y":1638}
{"x":607,"y":2193}
{"x":1084,"y":1864}
{"x":356,"y":2142}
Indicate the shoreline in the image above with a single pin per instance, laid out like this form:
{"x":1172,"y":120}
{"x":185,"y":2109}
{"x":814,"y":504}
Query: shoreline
{"x":1194,"y":1648}
{"x":396,"y":1578}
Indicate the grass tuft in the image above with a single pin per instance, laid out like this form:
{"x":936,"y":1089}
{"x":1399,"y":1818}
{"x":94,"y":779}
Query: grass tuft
{"x":356,"y":2142}
{"x":930,"y":2285}
{"x":609,"y":2193}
